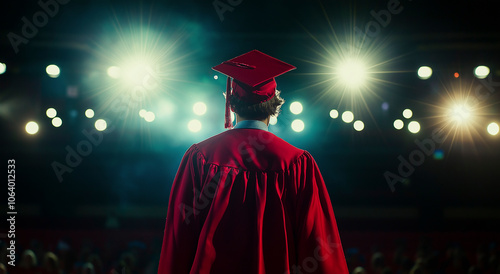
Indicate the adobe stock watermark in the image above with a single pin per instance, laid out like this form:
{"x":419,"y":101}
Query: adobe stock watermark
{"x":221,"y":7}
{"x":40,"y":19}
{"x":120,"y":106}
{"x":381,"y":19}
{"x":311,"y":263}
{"x":427,"y":147}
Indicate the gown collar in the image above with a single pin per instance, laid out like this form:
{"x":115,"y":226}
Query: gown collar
{"x":252,"y":124}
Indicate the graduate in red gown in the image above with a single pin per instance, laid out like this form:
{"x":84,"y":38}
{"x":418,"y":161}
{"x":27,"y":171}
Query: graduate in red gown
{"x":246,"y":201}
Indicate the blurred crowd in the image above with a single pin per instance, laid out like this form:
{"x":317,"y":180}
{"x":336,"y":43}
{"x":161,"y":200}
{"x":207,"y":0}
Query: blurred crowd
{"x":137,"y":257}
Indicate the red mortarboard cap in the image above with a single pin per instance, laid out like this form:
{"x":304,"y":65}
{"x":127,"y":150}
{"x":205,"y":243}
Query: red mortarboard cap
{"x":253,"y":78}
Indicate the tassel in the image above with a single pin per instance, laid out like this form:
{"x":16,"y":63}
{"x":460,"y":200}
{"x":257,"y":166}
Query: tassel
{"x":227,"y":115}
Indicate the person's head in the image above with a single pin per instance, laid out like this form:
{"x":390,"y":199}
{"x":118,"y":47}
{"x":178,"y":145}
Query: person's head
{"x":28,"y":259}
{"x":260,"y":111}
{"x":50,"y":262}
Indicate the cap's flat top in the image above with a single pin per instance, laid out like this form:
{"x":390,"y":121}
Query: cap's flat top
{"x":253,"y":68}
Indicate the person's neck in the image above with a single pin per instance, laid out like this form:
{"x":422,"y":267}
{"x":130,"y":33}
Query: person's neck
{"x":239,"y":119}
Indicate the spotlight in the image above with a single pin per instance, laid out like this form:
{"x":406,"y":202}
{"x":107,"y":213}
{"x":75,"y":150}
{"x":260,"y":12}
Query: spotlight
{"x":142,"y":113}
{"x":199,"y":108}
{"x":100,"y":124}
{"x":298,"y":125}
{"x":31,"y":127}
{"x":216,"y":77}
{"x":407,"y":113}
{"x":352,"y":73}
{"x":273,"y":120}
{"x":334,"y":114}
{"x":57,"y":122}
{"x":149,"y":116}
{"x":51,"y":112}
{"x":398,"y":124}
{"x":414,"y":127}
{"x":359,"y":125}
{"x":3,"y":68}
{"x":493,"y":128}
{"x":89,"y":113}
{"x":53,"y":71}
{"x":482,"y":72}
{"x":461,"y":113}
{"x":114,"y":72}
{"x":194,"y":125}
{"x":424,"y":72}
{"x":296,"y":107}
{"x":347,"y":116}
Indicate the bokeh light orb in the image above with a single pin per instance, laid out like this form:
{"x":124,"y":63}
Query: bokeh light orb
{"x":53,"y":71}
{"x":398,"y":124}
{"x":347,"y":116}
{"x":359,"y":125}
{"x":57,"y":122}
{"x":51,"y":112}
{"x":100,"y":124}
{"x":297,"y":125}
{"x":273,"y":120}
{"x":89,"y":113}
{"x":199,"y":108}
{"x":194,"y":125}
{"x":334,"y":114}
{"x":32,"y":127}
{"x":493,"y":128}
{"x":114,"y":72}
{"x":296,"y":107}
{"x":149,"y":116}
{"x":3,"y":68}
{"x":424,"y":72}
{"x":481,"y":72}
{"x":407,"y":113}
{"x":414,"y":127}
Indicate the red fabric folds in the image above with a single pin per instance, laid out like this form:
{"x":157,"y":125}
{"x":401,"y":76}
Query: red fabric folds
{"x":245,"y":201}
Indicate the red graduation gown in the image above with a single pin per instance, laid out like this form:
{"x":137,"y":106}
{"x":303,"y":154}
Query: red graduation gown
{"x":246,"y":201}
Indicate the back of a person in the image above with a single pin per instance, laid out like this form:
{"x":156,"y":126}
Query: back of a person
{"x":246,"y":201}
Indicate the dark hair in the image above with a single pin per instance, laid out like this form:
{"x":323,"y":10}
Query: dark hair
{"x":259,"y":111}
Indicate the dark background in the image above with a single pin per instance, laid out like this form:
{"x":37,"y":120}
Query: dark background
{"x":128,"y":176}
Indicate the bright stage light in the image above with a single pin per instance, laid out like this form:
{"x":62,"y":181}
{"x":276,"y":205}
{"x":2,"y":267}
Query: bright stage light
{"x":100,"y":124}
{"x":461,"y":114}
{"x":114,"y":72}
{"x":481,"y":72}
{"x":89,"y":113}
{"x":216,"y":77}
{"x":31,"y":127}
{"x":414,"y":127}
{"x":424,"y":72}
{"x":296,"y":107}
{"x":137,"y":70}
{"x":57,"y":122}
{"x":273,"y":120}
{"x":352,"y":73}
{"x":53,"y":71}
{"x":398,"y":124}
{"x":347,"y":116}
{"x":493,"y":128}
{"x":298,"y":125}
{"x":3,"y":68}
{"x":199,"y":108}
{"x":407,"y":113}
{"x":359,"y":125}
{"x":194,"y":125}
{"x":142,"y":113}
{"x":334,"y":114}
{"x":149,"y":116}
{"x":51,"y":112}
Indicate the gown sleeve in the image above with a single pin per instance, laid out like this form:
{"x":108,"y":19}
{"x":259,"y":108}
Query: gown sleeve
{"x":182,"y":225}
{"x":319,"y":249}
